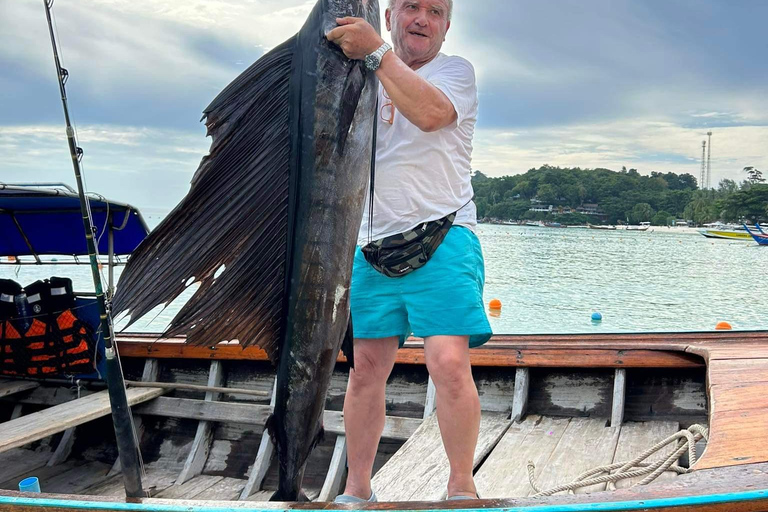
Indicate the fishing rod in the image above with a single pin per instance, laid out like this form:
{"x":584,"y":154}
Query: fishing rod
{"x":130,"y":458}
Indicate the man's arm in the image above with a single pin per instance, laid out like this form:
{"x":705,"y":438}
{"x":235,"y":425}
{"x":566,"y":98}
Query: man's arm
{"x":419,"y":101}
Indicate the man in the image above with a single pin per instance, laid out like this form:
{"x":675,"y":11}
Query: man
{"x":427,"y":114}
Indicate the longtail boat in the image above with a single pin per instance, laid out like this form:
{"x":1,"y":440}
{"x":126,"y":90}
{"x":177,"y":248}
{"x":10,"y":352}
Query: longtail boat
{"x":760,"y":236}
{"x":568,"y":404}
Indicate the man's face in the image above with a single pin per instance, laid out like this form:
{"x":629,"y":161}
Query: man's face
{"x":418,"y":28}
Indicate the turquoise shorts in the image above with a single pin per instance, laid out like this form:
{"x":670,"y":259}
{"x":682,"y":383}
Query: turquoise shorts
{"x":444,"y":297}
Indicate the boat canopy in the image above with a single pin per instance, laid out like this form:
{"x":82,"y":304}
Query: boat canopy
{"x":40,"y":220}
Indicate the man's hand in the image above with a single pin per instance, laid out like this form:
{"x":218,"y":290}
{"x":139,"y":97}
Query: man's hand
{"x":356,"y":37}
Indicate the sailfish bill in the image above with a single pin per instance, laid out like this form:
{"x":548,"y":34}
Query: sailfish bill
{"x":269,"y":226}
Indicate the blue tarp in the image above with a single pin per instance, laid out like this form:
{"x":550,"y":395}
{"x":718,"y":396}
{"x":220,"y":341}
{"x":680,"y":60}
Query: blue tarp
{"x":53,"y":225}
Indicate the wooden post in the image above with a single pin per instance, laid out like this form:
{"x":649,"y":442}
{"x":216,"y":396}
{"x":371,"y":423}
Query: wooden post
{"x":263,"y":457}
{"x":201,"y":446}
{"x":16,"y":411}
{"x":336,"y":470}
{"x":64,"y":448}
{"x":619,"y":392}
{"x":520,"y":397}
{"x":430,"y":404}
{"x":150,"y":373}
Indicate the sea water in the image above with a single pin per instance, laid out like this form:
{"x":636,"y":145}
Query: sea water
{"x":551,"y":281}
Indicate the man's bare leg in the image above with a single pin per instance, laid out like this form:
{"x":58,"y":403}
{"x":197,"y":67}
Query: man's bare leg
{"x":365,"y":409}
{"x":458,"y":407}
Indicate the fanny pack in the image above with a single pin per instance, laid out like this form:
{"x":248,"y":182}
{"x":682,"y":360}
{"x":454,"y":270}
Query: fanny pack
{"x":399,"y":255}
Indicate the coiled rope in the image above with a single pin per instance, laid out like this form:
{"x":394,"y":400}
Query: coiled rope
{"x":686,"y":442}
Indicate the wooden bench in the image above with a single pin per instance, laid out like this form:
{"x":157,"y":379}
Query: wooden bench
{"x":11,"y":387}
{"x":33,"y":427}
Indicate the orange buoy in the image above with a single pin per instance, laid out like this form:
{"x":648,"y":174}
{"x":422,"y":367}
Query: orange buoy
{"x":723,"y":326}
{"x":495,"y":304}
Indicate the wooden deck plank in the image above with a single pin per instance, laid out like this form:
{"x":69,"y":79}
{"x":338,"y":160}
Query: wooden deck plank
{"x":728,"y":371}
{"x":736,"y":437}
{"x":11,"y":387}
{"x":226,"y":489}
{"x":738,"y":396}
{"x":504,"y":474}
{"x":635,"y":438}
{"x":21,"y":463}
{"x":77,"y":479}
{"x":110,"y":486}
{"x":740,"y":351}
{"x":18,"y":432}
{"x":190,"y":487}
{"x":419,"y":470}
{"x":261,"y":496}
{"x":155,"y":480}
{"x":586,"y":444}
{"x":42,"y":473}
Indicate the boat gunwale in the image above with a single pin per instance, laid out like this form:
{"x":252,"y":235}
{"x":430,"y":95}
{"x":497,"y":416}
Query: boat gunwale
{"x":22,"y":501}
{"x":624,"y":350}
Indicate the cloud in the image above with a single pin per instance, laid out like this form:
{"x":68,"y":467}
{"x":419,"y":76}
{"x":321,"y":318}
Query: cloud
{"x":602,"y":84}
{"x":142,"y":166}
{"x":643,"y":144}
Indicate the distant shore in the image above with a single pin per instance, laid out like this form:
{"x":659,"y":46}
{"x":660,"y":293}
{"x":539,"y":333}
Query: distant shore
{"x":653,"y":229}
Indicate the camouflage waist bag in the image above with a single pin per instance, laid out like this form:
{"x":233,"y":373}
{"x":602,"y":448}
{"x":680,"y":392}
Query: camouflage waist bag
{"x":401,"y":254}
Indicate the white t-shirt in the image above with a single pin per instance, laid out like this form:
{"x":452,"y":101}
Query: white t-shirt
{"x":425,"y":176}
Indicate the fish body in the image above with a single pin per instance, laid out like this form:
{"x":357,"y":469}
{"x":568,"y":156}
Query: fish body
{"x":269,"y":227}
{"x":331,"y":202}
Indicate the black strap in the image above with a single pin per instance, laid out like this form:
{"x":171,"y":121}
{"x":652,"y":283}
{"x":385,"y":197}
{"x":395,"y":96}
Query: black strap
{"x":373,"y":170}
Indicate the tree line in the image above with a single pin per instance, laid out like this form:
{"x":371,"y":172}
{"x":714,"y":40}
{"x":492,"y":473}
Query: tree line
{"x":625,"y":196}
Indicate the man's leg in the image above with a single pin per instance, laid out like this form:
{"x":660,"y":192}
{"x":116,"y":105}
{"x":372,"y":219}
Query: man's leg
{"x":458,"y":407}
{"x":365,"y":409}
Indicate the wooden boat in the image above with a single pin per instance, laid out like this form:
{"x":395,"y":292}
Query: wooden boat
{"x":568,"y":403}
{"x":605,"y":228}
{"x":760,"y":236}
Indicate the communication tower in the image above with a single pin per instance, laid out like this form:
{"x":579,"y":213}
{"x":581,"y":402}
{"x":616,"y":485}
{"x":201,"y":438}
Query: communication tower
{"x":703,"y":177}
{"x":709,"y":159}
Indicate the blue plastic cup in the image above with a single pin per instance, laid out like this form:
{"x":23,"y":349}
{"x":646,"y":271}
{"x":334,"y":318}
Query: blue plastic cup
{"x":31,"y":484}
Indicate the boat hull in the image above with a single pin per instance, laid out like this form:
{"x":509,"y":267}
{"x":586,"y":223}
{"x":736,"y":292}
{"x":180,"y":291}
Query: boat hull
{"x":726,"y":235}
{"x":752,"y":500}
{"x":571,"y":383}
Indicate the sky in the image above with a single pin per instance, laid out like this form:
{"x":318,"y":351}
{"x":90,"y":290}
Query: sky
{"x":571,"y":83}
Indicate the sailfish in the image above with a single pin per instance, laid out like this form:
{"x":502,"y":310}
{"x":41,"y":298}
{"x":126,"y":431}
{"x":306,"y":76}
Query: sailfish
{"x":269,"y":226}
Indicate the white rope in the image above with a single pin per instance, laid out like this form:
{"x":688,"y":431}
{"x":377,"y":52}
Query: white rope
{"x":685,"y":441}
